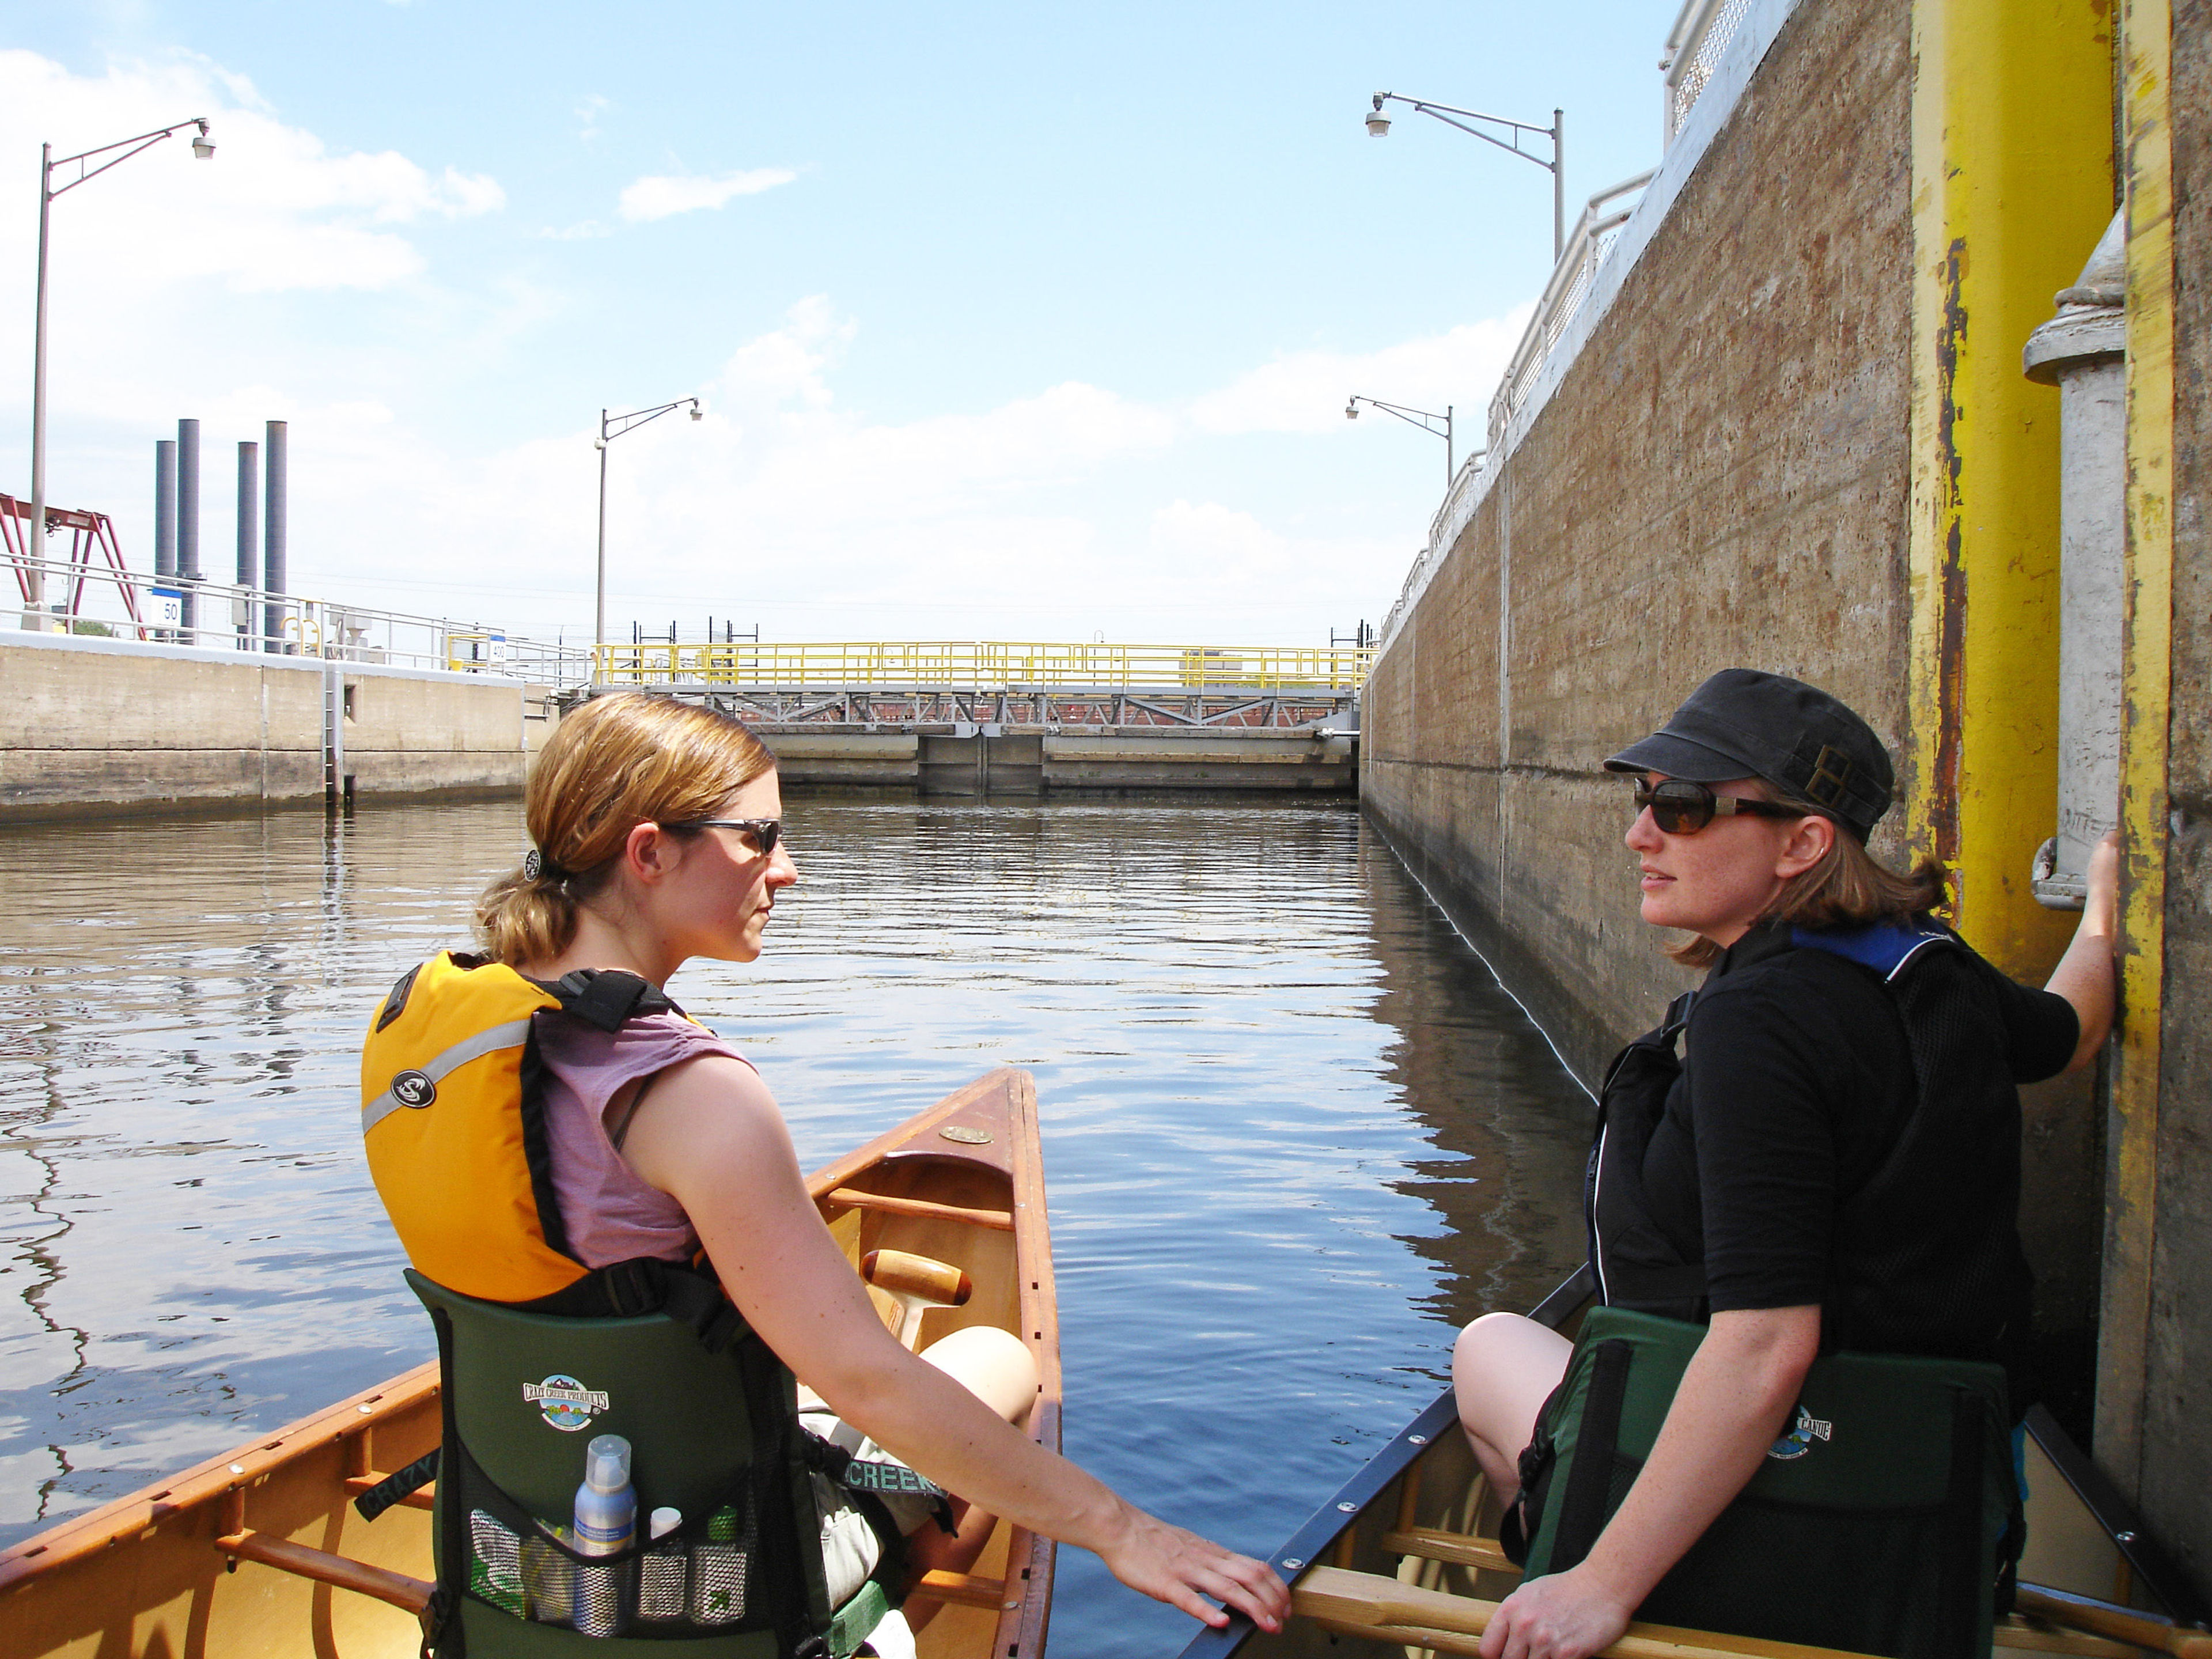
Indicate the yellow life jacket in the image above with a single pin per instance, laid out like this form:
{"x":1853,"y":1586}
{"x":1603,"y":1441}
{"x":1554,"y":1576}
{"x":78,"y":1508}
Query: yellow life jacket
{"x":452,"y":1112}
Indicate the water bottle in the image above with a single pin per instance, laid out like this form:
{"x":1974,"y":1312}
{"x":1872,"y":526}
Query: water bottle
{"x":606,"y":1520}
{"x":661,"y":1569}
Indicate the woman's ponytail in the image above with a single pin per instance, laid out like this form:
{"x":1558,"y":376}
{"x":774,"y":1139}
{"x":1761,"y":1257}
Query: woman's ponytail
{"x":527,"y":915}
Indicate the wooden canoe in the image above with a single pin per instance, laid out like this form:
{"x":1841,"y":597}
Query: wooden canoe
{"x":259,"y":1552}
{"x":1404,"y":1562}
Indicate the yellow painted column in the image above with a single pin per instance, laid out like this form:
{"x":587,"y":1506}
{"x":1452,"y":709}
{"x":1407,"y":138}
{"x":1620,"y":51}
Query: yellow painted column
{"x":2146,"y":687}
{"x":2011,"y":185}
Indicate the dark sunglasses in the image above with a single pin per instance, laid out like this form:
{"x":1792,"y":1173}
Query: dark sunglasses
{"x":765,"y":832}
{"x":1680,"y":807}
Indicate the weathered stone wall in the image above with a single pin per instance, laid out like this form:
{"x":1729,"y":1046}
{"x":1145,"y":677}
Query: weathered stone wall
{"x":2176,"y":1488}
{"x":1720,"y":479}
{"x":97,"y":727}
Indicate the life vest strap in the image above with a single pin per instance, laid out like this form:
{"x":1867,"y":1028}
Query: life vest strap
{"x":607,"y":997}
{"x":874,"y":1478}
{"x":398,"y":1486}
{"x":646,"y":1285}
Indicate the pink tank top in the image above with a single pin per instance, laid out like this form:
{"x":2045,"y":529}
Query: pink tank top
{"x":612,"y":1214}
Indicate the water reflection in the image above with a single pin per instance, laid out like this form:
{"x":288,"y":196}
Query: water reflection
{"x":1294,"y":1131}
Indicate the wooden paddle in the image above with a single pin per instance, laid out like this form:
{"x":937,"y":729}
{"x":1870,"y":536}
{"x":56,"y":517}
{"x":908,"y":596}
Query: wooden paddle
{"x":916,"y":1284}
{"x":1384,"y":1609}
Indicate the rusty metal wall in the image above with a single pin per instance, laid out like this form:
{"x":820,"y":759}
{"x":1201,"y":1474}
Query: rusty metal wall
{"x":1721,"y":479}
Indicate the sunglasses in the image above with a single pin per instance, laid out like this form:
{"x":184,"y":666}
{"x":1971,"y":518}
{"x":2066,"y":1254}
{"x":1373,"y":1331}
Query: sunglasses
{"x":1680,"y":807}
{"x":764,"y":832}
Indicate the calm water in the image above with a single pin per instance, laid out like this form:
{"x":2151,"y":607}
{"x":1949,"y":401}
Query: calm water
{"x":1294,"y":1131}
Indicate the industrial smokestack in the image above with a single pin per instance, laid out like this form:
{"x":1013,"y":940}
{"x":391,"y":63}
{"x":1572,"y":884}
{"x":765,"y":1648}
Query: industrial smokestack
{"x":276,"y":524}
{"x":165,"y":510}
{"x":188,"y":519}
{"x":249,"y":535}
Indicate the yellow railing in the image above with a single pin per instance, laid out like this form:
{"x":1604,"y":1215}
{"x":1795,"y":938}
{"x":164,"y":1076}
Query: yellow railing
{"x":986,"y":666}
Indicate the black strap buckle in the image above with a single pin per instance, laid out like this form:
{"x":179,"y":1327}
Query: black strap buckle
{"x":633,"y":1287}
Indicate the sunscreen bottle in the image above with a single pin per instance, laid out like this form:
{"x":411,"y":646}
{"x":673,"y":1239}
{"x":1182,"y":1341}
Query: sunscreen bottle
{"x":606,"y":1520}
{"x":660,"y":1569}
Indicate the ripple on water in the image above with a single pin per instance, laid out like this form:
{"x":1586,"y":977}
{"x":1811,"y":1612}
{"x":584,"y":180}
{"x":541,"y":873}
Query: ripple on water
{"x":1294,"y":1132}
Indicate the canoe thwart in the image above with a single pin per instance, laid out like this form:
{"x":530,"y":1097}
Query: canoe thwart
{"x":396,"y":1587}
{"x":852,"y":1197}
{"x":963,"y":1590}
{"x":1466,"y":1549}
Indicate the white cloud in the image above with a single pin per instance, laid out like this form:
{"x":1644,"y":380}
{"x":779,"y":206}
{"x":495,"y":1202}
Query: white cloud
{"x":273,"y":210}
{"x":1305,"y":391}
{"x":658,"y":196}
{"x":589,"y":108}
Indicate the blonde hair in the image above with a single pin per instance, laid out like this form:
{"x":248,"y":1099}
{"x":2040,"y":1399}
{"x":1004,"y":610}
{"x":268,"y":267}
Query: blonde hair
{"x":1846,"y":887}
{"x":620,"y":761}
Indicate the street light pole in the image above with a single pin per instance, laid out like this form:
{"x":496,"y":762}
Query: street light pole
{"x":1419,"y":417}
{"x":35,"y":577}
{"x":612,"y":427}
{"x":1379,"y":124}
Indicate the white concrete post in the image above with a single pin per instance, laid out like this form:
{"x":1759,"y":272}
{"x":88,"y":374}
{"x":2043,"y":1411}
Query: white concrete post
{"x":2082,"y":351}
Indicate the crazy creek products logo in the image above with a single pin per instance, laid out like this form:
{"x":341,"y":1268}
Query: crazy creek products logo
{"x":1802,"y":1433}
{"x":414,"y":1088}
{"x":568,"y":1405}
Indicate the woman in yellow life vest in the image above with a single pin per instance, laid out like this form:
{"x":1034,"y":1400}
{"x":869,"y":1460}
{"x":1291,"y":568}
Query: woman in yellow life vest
{"x":657,"y":837}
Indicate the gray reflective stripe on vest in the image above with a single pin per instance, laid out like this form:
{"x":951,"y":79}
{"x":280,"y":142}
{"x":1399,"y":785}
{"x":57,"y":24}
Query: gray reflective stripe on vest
{"x":512,"y":1034}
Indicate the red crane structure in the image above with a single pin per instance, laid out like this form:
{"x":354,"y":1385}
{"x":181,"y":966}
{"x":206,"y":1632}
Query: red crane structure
{"x":93,"y":555}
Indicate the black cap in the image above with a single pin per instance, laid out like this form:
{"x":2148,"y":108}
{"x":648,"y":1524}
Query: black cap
{"x":1742,"y":723}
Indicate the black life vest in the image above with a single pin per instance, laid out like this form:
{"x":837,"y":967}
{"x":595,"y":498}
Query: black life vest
{"x":1954,"y":1282}
{"x":539,"y":1353}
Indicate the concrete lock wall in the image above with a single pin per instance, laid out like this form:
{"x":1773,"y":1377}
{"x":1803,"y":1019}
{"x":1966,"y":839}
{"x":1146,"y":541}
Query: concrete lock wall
{"x":1734,"y":429}
{"x":94,"y":727}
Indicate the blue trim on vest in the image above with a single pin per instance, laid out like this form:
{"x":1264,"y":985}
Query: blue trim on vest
{"x":1884,"y":946}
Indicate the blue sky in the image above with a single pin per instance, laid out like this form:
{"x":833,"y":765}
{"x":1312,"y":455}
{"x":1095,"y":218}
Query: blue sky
{"x":1012,"y":321}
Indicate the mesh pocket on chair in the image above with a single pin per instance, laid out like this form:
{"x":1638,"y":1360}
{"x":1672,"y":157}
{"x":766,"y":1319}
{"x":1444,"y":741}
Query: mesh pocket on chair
{"x":495,"y":1562}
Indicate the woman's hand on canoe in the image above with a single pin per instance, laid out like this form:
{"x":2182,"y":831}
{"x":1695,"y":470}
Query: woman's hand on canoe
{"x":1567,"y":1615}
{"x":1178,"y":1567}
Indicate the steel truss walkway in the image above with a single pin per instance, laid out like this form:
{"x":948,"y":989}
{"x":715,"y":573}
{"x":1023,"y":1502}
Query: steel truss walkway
{"x":1001,"y":685}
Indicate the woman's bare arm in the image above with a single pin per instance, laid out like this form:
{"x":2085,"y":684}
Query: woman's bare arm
{"x":2086,"y":975}
{"x":1734,"y":1399}
{"x":710,"y":1136}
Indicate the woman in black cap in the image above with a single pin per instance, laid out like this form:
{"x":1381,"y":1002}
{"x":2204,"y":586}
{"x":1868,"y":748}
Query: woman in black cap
{"x":1739,"y":1190}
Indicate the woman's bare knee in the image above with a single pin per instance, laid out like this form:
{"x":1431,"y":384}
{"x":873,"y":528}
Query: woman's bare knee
{"x":995,"y":1365}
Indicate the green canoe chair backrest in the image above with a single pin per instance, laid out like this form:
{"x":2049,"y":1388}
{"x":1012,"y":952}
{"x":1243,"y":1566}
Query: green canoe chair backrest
{"x":709,"y":1435}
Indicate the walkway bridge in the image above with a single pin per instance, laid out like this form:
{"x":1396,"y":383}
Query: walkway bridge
{"x":998,"y":717}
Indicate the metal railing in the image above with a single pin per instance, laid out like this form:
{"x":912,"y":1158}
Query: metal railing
{"x":1701,"y":34}
{"x":1602,"y":216}
{"x":176,"y":611}
{"x":984,"y":664}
